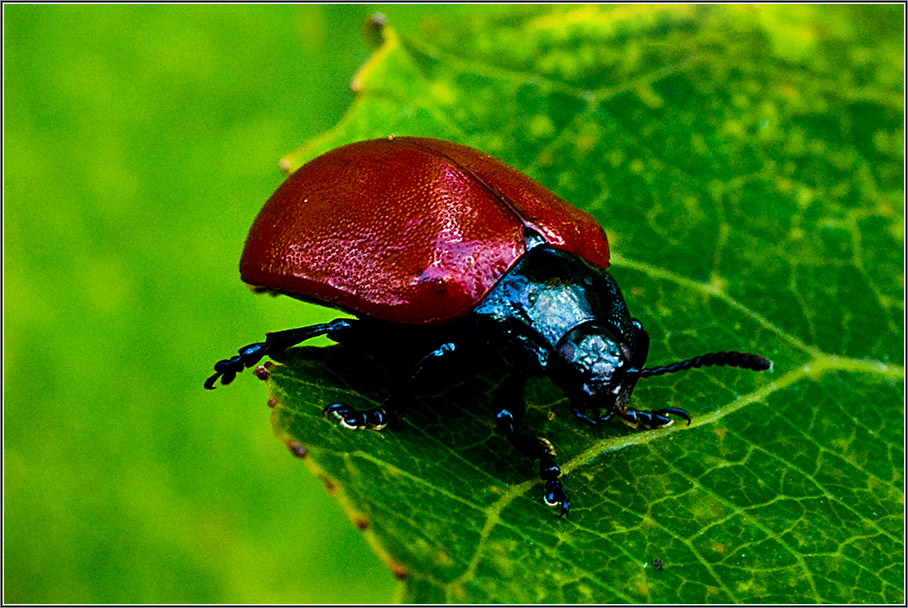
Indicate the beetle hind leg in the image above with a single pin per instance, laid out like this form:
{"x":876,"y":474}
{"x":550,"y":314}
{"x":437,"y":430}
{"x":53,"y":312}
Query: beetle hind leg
{"x":275,"y":343}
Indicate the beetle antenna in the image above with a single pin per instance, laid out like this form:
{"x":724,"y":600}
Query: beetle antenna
{"x":729,"y":359}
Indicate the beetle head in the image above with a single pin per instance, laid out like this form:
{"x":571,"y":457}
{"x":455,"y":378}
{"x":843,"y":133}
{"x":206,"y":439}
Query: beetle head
{"x":599,"y":368}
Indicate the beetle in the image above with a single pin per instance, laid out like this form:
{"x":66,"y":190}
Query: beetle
{"x":442,"y":252}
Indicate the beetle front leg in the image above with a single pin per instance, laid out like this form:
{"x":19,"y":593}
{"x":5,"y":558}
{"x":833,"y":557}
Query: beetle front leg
{"x":510,"y":406}
{"x":652,"y":419}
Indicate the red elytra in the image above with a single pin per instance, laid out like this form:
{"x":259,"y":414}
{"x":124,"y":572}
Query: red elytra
{"x":411,"y":230}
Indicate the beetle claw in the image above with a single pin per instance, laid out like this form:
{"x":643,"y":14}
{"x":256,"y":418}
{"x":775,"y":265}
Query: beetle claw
{"x":209,"y":384}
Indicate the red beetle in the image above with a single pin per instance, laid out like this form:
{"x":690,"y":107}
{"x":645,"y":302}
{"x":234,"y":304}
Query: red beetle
{"x":443,"y":252}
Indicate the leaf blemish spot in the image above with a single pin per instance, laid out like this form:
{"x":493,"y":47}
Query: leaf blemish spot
{"x":272,"y":402}
{"x":262,"y":372}
{"x":329,"y":485}
{"x":298,"y":450}
{"x":362,"y":524}
{"x":399,"y":572}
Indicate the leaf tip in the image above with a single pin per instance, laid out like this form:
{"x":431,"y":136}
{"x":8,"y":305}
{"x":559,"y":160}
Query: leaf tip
{"x":380,"y":36}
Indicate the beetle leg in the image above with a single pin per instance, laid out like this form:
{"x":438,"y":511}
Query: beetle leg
{"x":275,"y":343}
{"x":511,"y":406}
{"x":655,"y":419}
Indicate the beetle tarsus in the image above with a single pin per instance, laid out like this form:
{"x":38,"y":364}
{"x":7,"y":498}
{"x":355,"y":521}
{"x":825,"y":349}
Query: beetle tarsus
{"x":375,"y":419}
{"x":227,"y":369}
{"x":549,"y":471}
{"x":655,"y":419}
{"x":555,"y":496}
{"x":674,"y":411}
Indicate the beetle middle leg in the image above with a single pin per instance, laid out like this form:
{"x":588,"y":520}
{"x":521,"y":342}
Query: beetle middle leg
{"x":379,"y":417}
{"x":376,"y":418}
{"x":510,"y":406}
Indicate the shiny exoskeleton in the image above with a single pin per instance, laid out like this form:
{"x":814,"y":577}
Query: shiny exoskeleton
{"x":552,"y":314}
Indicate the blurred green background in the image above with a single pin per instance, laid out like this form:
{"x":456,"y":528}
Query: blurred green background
{"x":140,"y":141}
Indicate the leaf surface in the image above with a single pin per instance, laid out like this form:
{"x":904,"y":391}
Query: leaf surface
{"x":747,"y":165}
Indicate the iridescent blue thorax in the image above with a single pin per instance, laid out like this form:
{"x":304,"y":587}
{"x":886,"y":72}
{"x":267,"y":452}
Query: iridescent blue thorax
{"x":557,"y":315}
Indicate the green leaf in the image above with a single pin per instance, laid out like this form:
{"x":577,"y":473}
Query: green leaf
{"x":747,"y":165}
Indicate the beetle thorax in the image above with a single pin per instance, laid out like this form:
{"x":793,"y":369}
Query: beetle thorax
{"x":555,"y":314}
